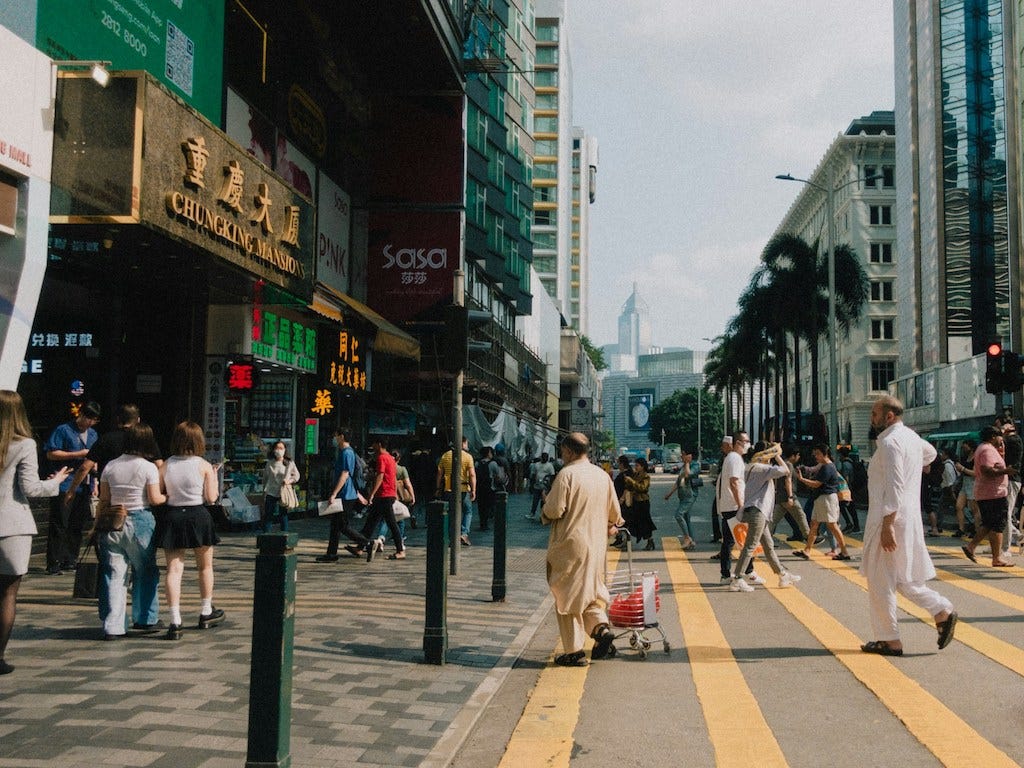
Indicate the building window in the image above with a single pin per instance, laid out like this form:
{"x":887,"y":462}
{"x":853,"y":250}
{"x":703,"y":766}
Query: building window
{"x":847,"y":384}
{"x":545,"y":218}
{"x":880,"y":215}
{"x":547,"y":33}
{"x":547,"y":101}
{"x":881,"y":253}
{"x":881,"y":290}
{"x":545,"y":124}
{"x":545,"y":148}
{"x":869,"y":171}
{"x":882,"y":330}
{"x":545,"y":78}
{"x":888,"y":176}
{"x":882,"y":372}
{"x":545,"y":194}
{"x":547,"y":55}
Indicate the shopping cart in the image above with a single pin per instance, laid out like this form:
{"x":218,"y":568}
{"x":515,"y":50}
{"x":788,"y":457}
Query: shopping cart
{"x":635,"y":603}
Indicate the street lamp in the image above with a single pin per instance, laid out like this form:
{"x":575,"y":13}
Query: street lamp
{"x":833,"y":375}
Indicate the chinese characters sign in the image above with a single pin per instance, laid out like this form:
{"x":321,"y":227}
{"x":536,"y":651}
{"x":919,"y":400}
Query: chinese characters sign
{"x":344,"y":367}
{"x":283,"y":340}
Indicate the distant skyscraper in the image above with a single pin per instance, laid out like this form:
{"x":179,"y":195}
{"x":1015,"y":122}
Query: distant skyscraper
{"x":955,"y":136}
{"x":635,"y":326}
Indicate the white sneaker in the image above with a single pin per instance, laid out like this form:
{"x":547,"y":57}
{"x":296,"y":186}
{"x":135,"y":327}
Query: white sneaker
{"x":755,"y":578}
{"x":739,"y":585}
{"x":725,"y":580}
{"x":788,"y":579}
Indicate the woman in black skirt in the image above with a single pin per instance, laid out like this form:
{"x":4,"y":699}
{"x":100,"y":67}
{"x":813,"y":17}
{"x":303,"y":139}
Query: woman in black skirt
{"x":642,"y":525}
{"x":190,"y":482}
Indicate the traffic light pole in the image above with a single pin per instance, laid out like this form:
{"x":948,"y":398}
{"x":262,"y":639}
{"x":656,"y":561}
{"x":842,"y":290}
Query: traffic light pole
{"x":455,"y":513}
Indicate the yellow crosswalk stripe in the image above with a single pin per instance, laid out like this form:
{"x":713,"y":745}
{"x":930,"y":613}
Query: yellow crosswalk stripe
{"x":937,"y":727}
{"x":722,"y":690}
{"x":544,"y":734}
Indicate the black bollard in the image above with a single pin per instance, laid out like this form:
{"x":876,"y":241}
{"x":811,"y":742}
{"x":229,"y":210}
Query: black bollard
{"x":435,"y":628}
{"x":500,"y":547}
{"x":273,"y":635}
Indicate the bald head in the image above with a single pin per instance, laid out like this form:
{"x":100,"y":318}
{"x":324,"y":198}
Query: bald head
{"x":576,"y":444}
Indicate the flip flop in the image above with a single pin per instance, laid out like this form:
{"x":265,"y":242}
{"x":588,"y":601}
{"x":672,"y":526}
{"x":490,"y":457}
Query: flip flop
{"x":841,"y":556}
{"x":1002,"y":565}
{"x":946,"y":630}
{"x":970,"y":555}
{"x":882,"y":648}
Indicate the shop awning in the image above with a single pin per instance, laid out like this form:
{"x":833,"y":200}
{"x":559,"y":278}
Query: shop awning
{"x":389,"y":338}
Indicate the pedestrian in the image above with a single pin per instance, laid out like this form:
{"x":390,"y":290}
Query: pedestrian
{"x":540,"y":475}
{"x":467,"y":484}
{"x":189,"y":482}
{"x":716,"y":515}
{"x":824,"y":487}
{"x":345,"y":469}
{"x":785,"y":501}
{"x":406,"y":491}
{"x":132,"y":481}
{"x":583,"y":511}
{"x":279,"y":471}
{"x":990,"y":489}
{"x":730,"y":485}
{"x":965,"y":498}
{"x":382,"y":497}
{"x":68,"y":445}
{"x":1014,"y":450}
{"x":491,"y":479}
{"x":642,"y":525}
{"x":895,"y":558}
{"x":687,"y":496}
{"x":947,"y":493}
{"x":765,"y":468}
{"x":847,"y":507}
{"x":625,"y":499}
{"x":19,"y":481}
{"x":422,"y":468}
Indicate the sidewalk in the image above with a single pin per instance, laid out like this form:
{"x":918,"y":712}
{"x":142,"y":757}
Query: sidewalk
{"x":361,"y":692}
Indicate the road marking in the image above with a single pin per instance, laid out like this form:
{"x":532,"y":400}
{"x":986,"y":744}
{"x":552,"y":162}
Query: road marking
{"x":722,"y":690}
{"x":544,"y":734}
{"x":937,"y":727}
{"x":984,"y":643}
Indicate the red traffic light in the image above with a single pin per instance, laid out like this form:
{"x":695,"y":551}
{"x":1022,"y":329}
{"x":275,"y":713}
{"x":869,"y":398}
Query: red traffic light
{"x":995,"y":350}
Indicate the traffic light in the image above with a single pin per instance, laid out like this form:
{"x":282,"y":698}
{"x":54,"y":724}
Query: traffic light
{"x":1011,"y":371}
{"x":459,"y":324}
{"x":994,"y":368}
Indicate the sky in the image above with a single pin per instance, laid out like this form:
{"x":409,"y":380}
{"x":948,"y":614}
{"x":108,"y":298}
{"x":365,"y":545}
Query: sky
{"x":696,"y":106}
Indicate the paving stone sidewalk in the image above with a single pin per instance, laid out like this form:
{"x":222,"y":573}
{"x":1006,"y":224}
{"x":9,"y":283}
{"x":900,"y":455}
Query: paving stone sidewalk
{"x":361,"y":692}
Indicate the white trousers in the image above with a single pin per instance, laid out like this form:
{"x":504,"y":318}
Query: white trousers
{"x":882,"y":589}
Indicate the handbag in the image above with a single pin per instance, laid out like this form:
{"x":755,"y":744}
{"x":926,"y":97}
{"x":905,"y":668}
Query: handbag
{"x":110,"y":518}
{"x":404,"y":495}
{"x":289,"y":499}
{"x":401,"y":511}
{"x":627,"y":499}
{"x":87,"y":572}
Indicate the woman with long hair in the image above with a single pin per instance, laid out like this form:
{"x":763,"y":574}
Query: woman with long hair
{"x":190,"y":482}
{"x":132,"y":481}
{"x":19,"y":481}
{"x":280,"y":470}
{"x":642,"y":525}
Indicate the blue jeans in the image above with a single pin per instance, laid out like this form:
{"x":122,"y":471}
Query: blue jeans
{"x":133,"y":546}
{"x":272,"y":508}
{"x":682,"y":513}
{"x":467,"y":511}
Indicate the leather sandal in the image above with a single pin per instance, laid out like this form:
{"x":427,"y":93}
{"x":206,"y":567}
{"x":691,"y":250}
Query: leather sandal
{"x":574,"y":659}
{"x":882,"y":648}
{"x":945,"y":629}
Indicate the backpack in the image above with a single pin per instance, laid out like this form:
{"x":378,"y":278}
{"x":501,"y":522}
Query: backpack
{"x":359,"y":476}
{"x":500,"y":480}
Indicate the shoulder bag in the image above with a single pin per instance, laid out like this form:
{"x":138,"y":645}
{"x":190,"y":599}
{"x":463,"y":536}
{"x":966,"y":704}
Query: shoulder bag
{"x":87,"y":572}
{"x":110,"y":518}
{"x":289,"y":499}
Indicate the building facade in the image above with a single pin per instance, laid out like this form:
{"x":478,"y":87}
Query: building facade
{"x":859,"y":167}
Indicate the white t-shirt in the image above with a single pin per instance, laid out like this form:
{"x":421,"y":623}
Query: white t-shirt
{"x":183,"y":478}
{"x":732,"y":467}
{"x":128,"y":476}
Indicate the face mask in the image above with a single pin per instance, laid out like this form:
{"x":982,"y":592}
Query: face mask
{"x":279,"y":453}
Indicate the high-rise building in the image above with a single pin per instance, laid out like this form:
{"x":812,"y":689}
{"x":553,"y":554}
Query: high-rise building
{"x":956,"y":137}
{"x":584,"y":193}
{"x":634,"y":328}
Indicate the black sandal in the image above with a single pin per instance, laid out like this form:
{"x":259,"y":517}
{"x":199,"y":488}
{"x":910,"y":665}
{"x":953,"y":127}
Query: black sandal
{"x":882,"y":648}
{"x":603,"y":639}
{"x":574,"y":659}
{"x":946,"y":630}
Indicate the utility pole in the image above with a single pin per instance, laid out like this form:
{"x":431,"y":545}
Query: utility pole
{"x":455,"y":520}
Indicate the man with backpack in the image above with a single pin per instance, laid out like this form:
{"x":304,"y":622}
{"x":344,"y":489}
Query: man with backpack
{"x":491,"y":479}
{"x":350,"y":479}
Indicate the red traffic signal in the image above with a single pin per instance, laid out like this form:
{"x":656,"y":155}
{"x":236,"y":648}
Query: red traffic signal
{"x":994,"y":378}
{"x":995,"y":349}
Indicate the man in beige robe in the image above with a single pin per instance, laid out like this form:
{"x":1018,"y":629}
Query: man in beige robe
{"x":582,"y":510}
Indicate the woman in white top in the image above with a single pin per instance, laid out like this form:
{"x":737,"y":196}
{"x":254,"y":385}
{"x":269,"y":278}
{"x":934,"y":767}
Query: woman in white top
{"x":131,"y":480}
{"x":19,"y":481}
{"x":280,"y":470}
{"x":190,"y":482}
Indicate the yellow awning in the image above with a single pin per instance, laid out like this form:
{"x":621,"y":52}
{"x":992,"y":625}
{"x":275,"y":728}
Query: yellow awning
{"x":389,"y":339}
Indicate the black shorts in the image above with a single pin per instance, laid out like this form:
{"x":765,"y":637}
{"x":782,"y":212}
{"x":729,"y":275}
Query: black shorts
{"x":993,"y":513}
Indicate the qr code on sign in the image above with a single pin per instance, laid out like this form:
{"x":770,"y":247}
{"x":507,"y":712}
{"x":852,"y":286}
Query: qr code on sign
{"x":180,"y":59}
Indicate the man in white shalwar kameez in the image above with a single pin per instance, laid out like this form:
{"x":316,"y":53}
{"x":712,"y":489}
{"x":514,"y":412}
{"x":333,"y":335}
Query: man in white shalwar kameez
{"x":895,"y":558}
{"x":582,"y":510}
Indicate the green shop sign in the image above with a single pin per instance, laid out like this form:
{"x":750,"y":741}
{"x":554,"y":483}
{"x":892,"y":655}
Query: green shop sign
{"x":179,"y":43}
{"x":283,"y":340}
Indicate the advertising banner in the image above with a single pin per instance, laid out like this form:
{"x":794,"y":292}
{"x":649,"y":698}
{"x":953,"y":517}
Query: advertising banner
{"x":334,"y":223}
{"x":641,"y":401}
{"x":411,"y":261}
{"x":179,"y":43}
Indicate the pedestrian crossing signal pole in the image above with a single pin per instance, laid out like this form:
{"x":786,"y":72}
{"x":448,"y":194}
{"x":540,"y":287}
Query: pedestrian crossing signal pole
{"x":458,"y":338}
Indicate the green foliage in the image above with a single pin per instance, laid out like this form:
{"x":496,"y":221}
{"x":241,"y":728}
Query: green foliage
{"x":602,"y":441}
{"x":596,"y":354}
{"x":677,"y":415}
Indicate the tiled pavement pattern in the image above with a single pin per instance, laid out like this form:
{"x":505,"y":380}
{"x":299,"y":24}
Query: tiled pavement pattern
{"x":361,"y":692}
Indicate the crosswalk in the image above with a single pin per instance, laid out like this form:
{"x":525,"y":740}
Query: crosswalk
{"x":943,"y":729}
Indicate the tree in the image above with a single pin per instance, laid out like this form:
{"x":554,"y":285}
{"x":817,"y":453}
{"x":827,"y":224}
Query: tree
{"x":603,"y":441}
{"x":596,"y":354}
{"x":677,"y":415}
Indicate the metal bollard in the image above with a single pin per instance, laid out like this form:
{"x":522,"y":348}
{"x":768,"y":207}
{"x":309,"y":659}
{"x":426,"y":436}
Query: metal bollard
{"x":435,"y":627}
{"x":500,"y":547}
{"x":273,"y":634}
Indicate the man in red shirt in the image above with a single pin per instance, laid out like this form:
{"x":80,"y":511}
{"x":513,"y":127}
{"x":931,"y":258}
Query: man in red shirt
{"x":382,"y":503}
